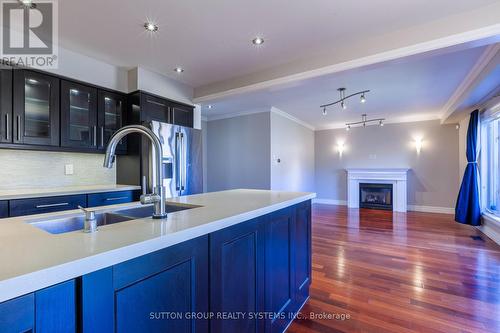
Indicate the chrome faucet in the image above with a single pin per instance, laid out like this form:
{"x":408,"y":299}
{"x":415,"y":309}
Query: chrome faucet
{"x":158,"y":196}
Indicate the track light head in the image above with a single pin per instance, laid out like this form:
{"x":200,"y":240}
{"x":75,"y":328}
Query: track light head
{"x":324,"y":111}
{"x":362,"y":99}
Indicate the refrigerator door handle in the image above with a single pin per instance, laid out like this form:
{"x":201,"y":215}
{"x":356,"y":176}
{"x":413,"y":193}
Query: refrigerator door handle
{"x":184,"y":163}
{"x":177,"y":161}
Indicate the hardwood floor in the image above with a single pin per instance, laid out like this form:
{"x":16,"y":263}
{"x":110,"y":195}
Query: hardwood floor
{"x":414,"y":272}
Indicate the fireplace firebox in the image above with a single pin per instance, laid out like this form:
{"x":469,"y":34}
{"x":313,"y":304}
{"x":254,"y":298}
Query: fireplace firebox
{"x":375,"y":196}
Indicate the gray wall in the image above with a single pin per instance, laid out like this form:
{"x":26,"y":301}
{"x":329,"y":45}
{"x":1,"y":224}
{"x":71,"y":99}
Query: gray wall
{"x":434,"y":174}
{"x":239,"y":152}
{"x":293,"y":144}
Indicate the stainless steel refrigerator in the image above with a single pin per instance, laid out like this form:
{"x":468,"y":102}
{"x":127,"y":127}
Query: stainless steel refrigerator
{"x":182,"y":159}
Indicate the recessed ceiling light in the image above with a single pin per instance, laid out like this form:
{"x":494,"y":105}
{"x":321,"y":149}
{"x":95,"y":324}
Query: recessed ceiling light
{"x":258,"y":41}
{"x":179,"y":69}
{"x":151,"y":27}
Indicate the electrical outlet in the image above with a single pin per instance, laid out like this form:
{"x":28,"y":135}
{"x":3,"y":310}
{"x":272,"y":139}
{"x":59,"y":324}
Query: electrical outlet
{"x":68,"y":169}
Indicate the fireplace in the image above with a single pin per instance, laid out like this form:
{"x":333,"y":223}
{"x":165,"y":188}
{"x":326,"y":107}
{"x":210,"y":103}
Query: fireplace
{"x":376,"y":196}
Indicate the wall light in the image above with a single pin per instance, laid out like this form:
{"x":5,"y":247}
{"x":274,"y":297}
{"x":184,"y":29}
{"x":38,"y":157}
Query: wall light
{"x":340,"y":147}
{"x":418,"y":144}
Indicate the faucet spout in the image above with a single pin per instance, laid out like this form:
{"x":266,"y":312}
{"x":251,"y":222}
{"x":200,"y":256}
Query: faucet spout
{"x":158,"y":195}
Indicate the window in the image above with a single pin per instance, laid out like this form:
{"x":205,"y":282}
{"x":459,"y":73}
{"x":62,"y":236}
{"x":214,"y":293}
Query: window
{"x":490,"y":165}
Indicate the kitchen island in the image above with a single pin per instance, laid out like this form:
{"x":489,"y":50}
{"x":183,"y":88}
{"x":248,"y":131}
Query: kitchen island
{"x":230,"y":261}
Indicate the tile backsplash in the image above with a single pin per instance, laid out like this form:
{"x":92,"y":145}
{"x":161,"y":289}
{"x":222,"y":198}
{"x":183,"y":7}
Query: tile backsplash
{"x":26,"y":169}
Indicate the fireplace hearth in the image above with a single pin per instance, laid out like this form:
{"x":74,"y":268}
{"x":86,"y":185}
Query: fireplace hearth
{"x":375,"y":196}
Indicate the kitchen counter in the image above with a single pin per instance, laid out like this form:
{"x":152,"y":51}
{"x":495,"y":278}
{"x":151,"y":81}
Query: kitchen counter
{"x":33,"y":259}
{"x":38,"y":192}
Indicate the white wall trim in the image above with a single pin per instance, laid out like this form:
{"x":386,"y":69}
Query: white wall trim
{"x":479,"y":70}
{"x":415,"y":208}
{"x":431,"y":209}
{"x":491,"y":228}
{"x":330,"y":202}
{"x":292,"y":118}
{"x":235,"y":114}
{"x":439,"y":43}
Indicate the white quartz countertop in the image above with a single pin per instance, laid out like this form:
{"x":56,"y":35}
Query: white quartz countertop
{"x":32,"y":259}
{"x":38,"y":192}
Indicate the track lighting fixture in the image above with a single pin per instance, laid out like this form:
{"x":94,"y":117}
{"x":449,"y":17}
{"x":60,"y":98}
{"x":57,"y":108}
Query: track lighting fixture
{"x":343,"y":98}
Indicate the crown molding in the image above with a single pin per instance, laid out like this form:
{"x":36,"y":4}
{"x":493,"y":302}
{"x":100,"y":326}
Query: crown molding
{"x":235,"y":114}
{"x":485,"y":63}
{"x":396,"y":120}
{"x":292,"y":118}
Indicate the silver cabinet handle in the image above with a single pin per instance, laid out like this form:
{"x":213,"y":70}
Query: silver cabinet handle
{"x":95,"y":135}
{"x":52,"y":205}
{"x":18,"y":118}
{"x":117,"y":198}
{"x":7,"y":126}
{"x":102,"y":136}
{"x":177,"y":161}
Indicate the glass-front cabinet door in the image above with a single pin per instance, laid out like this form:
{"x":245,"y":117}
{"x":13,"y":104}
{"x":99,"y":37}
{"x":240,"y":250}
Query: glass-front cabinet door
{"x":78,"y":115}
{"x":111,"y":114}
{"x":36,"y":108}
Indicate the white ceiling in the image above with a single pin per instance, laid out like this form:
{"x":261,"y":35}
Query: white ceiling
{"x":414,"y":88}
{"x":211,"y":39}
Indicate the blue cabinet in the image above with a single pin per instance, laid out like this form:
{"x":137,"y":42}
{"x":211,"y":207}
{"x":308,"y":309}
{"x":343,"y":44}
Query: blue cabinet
{"x":50,"y":310}
{"x":280,"y":268}
{"x":303,"y":251}
{"x":18,"y":314}
{"x":153,"y":293}
{"x":4,"y":209}
{"x":237,"y":276}
{"x":109,"y":198}
{"x":31,"y":206}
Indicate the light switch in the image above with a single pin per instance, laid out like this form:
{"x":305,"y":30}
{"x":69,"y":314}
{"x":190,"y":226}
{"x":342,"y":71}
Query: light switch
{"x":68,"y":169}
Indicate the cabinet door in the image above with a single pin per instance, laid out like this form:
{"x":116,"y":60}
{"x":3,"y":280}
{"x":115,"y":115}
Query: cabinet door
{"x":302,"y":246}
{"x":55,"y":308}
{"x":78,"y":115}
{"x":5,"y":104}
{"x":280,"y":268}
{"x":18,"y":314}
{"x":4,"y":209}
{"x":111,"y":117}
{"x":139,"y":295}
{"x":154,"y":108}
{"x":36,"y":108}
{"x":237,"y":276}
{"x":182,"y":115}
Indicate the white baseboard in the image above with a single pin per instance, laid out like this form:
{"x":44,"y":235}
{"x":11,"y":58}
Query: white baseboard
{"x":416,"y":208}
{"x":431,"y":209}
{"x":491,"y":228}
{"x":330,"y":202}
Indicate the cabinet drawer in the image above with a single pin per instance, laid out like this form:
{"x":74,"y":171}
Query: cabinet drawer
{"x":109,"y":198}
{"x":18,"y":314}
{"x":46,"y":205}
{"x":4,"y":209}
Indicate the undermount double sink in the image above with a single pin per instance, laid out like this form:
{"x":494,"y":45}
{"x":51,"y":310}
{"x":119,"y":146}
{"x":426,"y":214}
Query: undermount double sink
{"x":65,"y":224}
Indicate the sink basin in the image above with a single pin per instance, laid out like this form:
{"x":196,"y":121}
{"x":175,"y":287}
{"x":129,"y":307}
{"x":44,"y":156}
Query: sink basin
{"x":68,"y":224}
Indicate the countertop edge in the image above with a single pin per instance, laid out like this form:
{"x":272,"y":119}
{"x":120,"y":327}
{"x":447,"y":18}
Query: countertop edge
{"x":31,"y":282}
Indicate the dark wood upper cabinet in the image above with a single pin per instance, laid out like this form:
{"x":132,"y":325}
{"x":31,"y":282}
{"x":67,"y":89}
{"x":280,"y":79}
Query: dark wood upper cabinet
{"x":111,"y":117}
{"x":36,"y":108}
{"x":78,"y":115}
{"x":182,"y":115}
{"x":5,"y":104}
{"x":154,"y":108}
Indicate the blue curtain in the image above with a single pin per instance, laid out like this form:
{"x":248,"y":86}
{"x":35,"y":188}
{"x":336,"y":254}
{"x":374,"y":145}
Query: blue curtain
{"x":468,"y":210}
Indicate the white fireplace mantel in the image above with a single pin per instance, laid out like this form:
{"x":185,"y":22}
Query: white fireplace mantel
{"x":396,"y":177}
